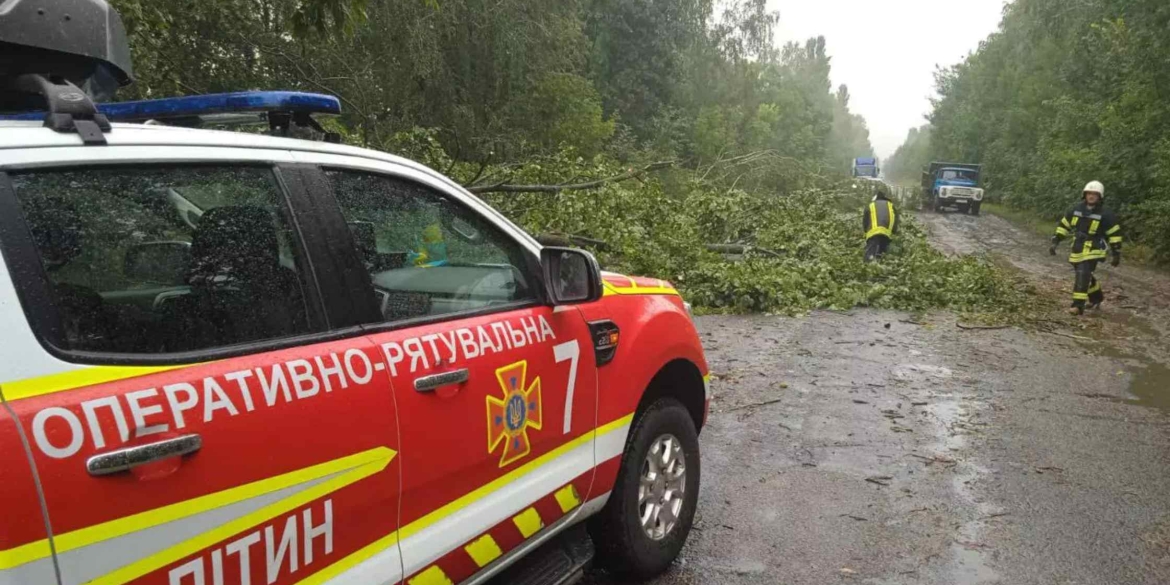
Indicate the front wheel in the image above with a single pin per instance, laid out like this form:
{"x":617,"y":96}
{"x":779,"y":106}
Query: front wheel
{"x":649,"y":514}
{"x":975,"y":209}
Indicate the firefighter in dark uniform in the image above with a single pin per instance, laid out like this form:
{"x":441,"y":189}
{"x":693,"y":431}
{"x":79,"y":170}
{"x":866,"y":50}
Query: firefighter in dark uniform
{"x":1094,"y":230}
{"x":880,"y":223}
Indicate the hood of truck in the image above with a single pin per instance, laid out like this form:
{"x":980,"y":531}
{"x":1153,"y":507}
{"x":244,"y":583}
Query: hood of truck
{"x":620,"y":284}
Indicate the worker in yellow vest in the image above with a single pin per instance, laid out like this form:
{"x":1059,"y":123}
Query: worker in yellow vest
{"x":879,"y":220}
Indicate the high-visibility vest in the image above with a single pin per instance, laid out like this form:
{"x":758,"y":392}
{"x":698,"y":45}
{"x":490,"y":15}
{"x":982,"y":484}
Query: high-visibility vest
{"x":881,"y":219}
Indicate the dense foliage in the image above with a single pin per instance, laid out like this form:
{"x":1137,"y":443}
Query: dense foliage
{"x":905,"y":166}
{"x":753,"y":136}
{"x":805,"y":248}
{"x":1063,"y":93}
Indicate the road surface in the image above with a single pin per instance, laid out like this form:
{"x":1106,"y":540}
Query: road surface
{"x":865,"y":448}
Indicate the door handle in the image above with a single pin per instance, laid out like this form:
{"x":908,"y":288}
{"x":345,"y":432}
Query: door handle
{"x":432,"y":382}
{"x":130,"y":457}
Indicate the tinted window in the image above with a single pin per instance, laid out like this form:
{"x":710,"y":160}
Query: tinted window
{"x":426,"y":255}
{"x":155,"y":260}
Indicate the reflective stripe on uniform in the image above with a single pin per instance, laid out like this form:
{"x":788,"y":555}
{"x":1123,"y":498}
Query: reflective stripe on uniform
{"x":1060,"y":231}
{"x":1088,"y":252}
{"x":1115,"y":240}
{"x":1093,"y":227}
{"x":1080,"y":296}
{"x":1095,"y":287}
{"x":1085,"y":256}
{"x":1113,"y":230}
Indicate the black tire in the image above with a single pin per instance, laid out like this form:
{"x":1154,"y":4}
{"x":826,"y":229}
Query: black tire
{"x":975,"y":209}
{"x":623,"y":547}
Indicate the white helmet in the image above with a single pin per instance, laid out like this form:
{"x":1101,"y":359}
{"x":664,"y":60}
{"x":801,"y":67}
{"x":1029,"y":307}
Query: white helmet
{"x":1095,"y":187}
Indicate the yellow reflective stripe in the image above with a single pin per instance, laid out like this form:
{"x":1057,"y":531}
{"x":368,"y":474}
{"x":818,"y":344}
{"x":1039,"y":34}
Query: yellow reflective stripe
{"x":1064,"y":222}
{"x":359,"y":466}
{"x":80,"y":378}
{"x":610,"y":290}
{"x":1075,"y":219}
{"x":1078,"y":296}
{"x":151,"y":518}
{"x":1115,"y":240}
{"x":1095,"y":287}
{"x":351,"y":561}
{"x":873,"y":223}
{"x":26,"y":553}
{"x":483,"y":491}
{"x":892,"y":218}
{"x":432,"y":576}
{"x":1093,"y":255}
{"x":878,"y":231}
{"x":568,"y":498}
{"x":529,"y":522}
{"x":456,"y":505}
{"x":1113,"y":230}
{"x":1093,"y":227}
{"x":1060,"y":231}
{"x":483,"y":550}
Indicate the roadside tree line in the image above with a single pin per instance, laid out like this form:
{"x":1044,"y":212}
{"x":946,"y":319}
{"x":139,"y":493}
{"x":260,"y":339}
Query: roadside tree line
{"x":1062,"y":93}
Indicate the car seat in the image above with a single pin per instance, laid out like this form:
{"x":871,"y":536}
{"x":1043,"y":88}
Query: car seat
{"x":240,"y":292}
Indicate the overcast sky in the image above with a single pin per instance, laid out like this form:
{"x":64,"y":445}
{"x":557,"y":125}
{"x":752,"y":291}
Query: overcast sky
{"x":886,"y":51}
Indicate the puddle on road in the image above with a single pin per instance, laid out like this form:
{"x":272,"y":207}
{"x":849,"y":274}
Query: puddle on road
{"x":1132,"y":321}
{"x":1149,"y":380}
{"x":1151,"y":386}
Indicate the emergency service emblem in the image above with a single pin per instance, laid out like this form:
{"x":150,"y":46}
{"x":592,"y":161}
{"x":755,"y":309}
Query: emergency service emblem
{"x":509,"y":419}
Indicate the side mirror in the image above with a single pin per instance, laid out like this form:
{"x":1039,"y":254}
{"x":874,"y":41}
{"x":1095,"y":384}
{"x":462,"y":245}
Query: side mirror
{"x":163,"y":263}
{"x":572,"y":276}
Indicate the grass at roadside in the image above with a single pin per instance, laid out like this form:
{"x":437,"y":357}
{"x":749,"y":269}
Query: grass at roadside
{"x":1138,"y":254}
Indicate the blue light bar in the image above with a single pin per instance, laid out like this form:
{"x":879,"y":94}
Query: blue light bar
{"x":206,"y":105}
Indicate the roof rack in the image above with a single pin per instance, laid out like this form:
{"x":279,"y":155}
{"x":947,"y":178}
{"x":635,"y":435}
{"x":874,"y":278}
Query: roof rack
{"x":70,"y":109}
{"x":281,"y":110}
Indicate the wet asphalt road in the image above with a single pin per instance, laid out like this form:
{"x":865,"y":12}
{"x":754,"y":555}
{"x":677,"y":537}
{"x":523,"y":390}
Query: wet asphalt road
{"x":863,"y":447}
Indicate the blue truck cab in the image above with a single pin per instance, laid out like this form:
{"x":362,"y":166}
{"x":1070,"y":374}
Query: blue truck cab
{"x":953,"y":185}
{"x":865,"y":167}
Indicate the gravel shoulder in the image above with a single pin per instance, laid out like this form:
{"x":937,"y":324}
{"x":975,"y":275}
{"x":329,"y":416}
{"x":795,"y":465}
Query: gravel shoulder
{"x":864,"y":447}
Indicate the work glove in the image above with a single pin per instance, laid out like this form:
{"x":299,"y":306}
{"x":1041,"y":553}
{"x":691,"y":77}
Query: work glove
{"x":1116,"y":259}
{"x":1052,"y":248}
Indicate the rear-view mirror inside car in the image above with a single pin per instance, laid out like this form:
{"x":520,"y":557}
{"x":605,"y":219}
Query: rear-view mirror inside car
{"x":162,"y":263}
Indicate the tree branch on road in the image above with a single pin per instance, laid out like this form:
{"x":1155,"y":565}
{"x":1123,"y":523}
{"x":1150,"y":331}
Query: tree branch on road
{"x":630,"y":174}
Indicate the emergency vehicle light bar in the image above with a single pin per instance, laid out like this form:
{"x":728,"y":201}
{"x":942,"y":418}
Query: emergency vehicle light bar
{"x":210,"y":106}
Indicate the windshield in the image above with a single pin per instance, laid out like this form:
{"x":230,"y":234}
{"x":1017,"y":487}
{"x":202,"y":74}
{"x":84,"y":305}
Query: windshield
{"x":958,"y":175}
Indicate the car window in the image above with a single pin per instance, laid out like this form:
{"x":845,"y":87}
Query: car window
{"x":425,"y":254}
{"x":165,"y":259}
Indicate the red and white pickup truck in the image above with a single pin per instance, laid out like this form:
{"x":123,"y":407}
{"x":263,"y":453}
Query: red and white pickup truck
{"x":236,"y":358}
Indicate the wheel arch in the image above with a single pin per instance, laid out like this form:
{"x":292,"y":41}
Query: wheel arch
{"x":682,"y":380}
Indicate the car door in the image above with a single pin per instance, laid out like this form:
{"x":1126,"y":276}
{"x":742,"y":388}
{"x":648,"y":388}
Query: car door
{"x":496,"y":390}
{"x":219,"y":433}
{"x":25,"y":556}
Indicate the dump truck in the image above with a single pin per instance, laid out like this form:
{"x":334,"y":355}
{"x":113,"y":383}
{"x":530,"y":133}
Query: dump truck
{"x":958,"y":185}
